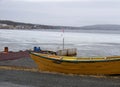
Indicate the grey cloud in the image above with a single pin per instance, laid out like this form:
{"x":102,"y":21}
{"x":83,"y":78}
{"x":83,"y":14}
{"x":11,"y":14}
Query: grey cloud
{"x":62,"y":13}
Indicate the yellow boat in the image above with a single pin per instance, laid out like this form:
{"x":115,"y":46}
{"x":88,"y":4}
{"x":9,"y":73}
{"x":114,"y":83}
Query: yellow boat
{"x":73,"y":65}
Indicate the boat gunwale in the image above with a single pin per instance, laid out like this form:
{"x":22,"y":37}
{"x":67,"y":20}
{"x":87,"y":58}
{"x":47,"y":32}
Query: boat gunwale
{"x":76,"y":61}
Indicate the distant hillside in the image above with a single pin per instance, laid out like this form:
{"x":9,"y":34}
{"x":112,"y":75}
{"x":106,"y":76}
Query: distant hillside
{"x":101,"y":27}
{"x":6,"y":24}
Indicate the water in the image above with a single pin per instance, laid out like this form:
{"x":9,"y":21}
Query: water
{"x":88,"y":43}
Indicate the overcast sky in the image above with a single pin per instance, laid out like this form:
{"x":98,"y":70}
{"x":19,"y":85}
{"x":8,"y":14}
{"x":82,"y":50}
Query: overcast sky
{"x":61,"y":12}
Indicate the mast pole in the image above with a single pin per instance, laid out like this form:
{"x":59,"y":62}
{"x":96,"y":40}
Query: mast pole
{"x":63,"y":43}
{"x":63,"y":39}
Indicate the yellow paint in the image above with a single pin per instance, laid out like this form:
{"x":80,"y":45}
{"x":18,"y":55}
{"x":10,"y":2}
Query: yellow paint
{"x":87,"y":66}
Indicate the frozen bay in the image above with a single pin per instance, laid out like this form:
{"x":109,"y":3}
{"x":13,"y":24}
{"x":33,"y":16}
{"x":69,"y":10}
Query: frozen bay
{"x":87,"y":43}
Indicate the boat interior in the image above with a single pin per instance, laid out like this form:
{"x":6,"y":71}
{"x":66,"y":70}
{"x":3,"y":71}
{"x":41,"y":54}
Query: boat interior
{"x":74,"y":58}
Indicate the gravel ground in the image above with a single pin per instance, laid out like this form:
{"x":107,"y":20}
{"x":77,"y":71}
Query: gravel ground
{"x":9,"y":78}
{"x":27,"y":62}
{"x":14,"y":78}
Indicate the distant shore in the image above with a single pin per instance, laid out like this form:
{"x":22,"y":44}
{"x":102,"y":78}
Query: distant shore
{"x":8,"y":24}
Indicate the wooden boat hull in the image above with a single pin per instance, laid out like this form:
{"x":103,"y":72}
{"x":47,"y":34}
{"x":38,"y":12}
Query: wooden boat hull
{"x":103,"y":67}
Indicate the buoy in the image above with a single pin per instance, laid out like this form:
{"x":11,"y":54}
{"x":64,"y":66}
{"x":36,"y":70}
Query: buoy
{"x":6,"y":49}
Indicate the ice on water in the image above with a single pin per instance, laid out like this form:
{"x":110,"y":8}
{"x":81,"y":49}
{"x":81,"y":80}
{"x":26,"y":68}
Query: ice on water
{"x":87,"y":43}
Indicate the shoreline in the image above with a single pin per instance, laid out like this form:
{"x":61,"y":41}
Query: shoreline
{"x":35,"y":70}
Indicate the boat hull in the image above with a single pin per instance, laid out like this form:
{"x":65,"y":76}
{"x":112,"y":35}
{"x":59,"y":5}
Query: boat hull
{"x":77,"y":67}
